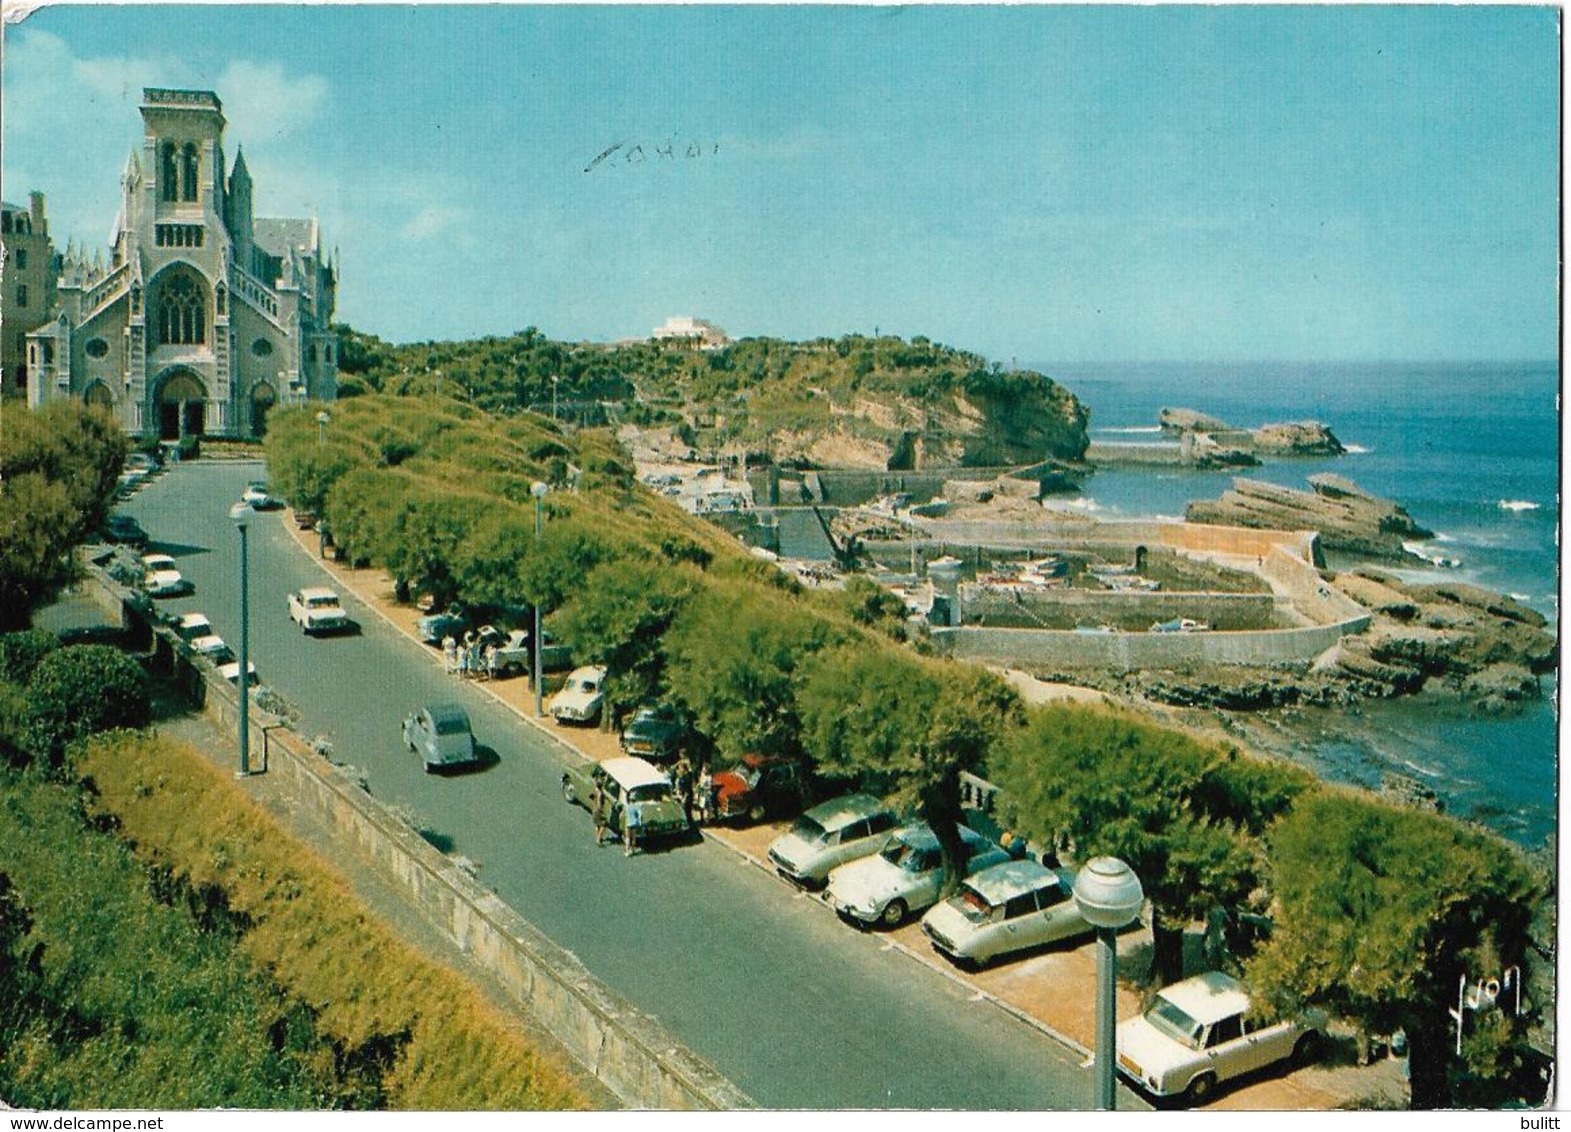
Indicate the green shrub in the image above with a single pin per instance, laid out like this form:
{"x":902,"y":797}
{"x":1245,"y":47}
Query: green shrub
{"x":21,"y":651}
{"x":80,"y":689}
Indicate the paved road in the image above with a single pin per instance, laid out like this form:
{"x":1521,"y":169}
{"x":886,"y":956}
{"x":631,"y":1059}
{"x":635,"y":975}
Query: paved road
{"x":797,"y":1009}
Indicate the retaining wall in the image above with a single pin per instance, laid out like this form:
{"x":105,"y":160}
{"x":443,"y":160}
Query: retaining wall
{"x":1123,"y":652}
{"x":1066,"y":608}
{"x":631,"y":1053}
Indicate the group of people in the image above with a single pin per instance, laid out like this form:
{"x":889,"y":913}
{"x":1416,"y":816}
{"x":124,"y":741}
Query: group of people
{"x":694,"y":789}
{"x":469,"y":657}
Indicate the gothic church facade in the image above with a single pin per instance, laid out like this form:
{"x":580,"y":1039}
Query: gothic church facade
{"x":203,"y":317}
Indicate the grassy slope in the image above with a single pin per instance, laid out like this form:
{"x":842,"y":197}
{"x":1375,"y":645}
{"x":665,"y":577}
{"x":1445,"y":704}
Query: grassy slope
{"x":384,"y":1026}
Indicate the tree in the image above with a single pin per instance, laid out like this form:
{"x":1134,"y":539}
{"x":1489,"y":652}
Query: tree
{"x":58,"y":472}
{"x":79,"y":689}
{"x":1381,"y":913}
{"x":731,"y":655}
{"x":1177,"y":812}
{"x":905,"y":728}
{"x":618,"y":617}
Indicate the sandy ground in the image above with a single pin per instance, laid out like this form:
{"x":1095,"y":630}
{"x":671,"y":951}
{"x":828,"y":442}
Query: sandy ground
{"x":1052,"y":990}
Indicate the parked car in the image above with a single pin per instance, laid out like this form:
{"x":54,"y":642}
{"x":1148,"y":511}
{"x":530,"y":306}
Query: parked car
{"x":1198,"y":1033}
{"x":125,"y":531}
{"x":903,"y":877}
{"x":656,"y":732}
{"x":305,"y":520}
{"x":830,"y":835}
{"x":628,"y":784}
{"x":1008,"y":907}
{"x":451,"y":622}
{"x":144,"y":462}
{"x":189,"y":626}
{"x":758,"y":787}
{"x":316,"y":610}
{"x":161,"y":578}
{"x":216,"y":652}
{"x":258,"y":495}
{"x":129,"y":481}
{"x":512,"y":648}
{"x":582,"y":697}
{"x":441,"y":735}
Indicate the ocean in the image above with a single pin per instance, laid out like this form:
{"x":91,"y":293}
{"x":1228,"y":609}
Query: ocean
{"x":1472,"y":452}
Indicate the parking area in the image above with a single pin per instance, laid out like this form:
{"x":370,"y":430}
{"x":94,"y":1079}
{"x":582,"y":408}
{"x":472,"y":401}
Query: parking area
{"x":1052,"y":990}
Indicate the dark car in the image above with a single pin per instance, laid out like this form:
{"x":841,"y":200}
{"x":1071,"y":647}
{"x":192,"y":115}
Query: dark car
{"x":759,"y":786}
{"x":124,"y":530}
{"x":656,"y":732}
{"x":451,"y":622}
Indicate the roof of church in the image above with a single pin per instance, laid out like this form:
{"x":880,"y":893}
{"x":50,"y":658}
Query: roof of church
{"x":279,"y":235}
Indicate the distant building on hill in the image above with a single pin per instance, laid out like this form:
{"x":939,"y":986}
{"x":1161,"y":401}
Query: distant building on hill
{"x":692,"y":332}
{"x":27,"y":286}
{"x":204,"y":317}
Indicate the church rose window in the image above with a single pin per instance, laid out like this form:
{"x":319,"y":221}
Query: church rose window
{"x":261,"y":347}
{"x":97,"y":348}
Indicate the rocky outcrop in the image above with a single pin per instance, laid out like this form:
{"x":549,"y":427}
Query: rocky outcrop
{"x":1291,"y":438}
{"x":1347,"y":517}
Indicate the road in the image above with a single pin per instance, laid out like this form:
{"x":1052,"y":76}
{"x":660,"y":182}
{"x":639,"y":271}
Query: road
{"x":797,"y":1009}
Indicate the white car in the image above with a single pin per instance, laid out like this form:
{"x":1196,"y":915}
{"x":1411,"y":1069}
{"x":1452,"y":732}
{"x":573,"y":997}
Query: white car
{"x":189,"y":626}
{"x":830,"y":835}
{"x":1198,"y":1033}
{"x":903,"y":877}
{"x":512,"y":648}
{"x":1008,"y":907}
{"x":316,"y":610}
{"x":161,"y":578}
{"x":215,"y":651}
{"x":256,"y":494}
{"x":582,"y":697}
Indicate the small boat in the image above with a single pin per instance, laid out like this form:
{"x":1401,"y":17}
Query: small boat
{"x":1180,"y":625}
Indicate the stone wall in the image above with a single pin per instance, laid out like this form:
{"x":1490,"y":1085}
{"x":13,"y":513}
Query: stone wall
{"x":630,"y":1052}
{"x":1126,"y":652}
{"x":1066,"y":608}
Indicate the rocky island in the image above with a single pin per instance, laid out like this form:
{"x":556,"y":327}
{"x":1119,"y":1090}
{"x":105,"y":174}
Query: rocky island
{"x":1349,"y":519}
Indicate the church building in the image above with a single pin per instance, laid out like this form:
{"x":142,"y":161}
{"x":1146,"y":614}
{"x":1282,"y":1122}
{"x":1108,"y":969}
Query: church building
{"x":203,"y":317}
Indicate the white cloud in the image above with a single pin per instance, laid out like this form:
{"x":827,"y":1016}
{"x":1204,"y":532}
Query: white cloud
{"x":261,"y":101}
{"x":435,"y":221}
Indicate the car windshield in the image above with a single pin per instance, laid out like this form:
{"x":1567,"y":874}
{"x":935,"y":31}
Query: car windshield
{"x":749,"y":775}
{"x":907,"y":857}
{"x":974,"y":908}
{"x":649,"y":792}
{"x":809,"y":830}
{"x":1171,"y":1020}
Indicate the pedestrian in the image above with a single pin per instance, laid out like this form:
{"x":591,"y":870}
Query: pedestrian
{"x":490,"y":662}
{"x":597,"y":808}
{"x":629,"y":831}
{"x":682,"y":785}
{"x":449,"y":654}
{"x":704,"y":794}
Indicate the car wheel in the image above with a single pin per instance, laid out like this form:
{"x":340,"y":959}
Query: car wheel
{"x":755,"y":812}
{"x":1306,"y":1049}
{"x":894,"y":914}
{"x":568,"y":793}
{"x":1200,"y":1089}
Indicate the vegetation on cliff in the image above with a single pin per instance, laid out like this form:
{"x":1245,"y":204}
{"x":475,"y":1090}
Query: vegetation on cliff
{"x":852,"y":401}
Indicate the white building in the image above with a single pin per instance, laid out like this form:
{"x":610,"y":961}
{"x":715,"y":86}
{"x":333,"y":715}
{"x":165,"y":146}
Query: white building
{"x":691,"y":331}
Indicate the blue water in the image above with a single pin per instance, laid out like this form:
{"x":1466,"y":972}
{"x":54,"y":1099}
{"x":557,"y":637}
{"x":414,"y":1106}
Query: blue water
{"x":1449,"y":443}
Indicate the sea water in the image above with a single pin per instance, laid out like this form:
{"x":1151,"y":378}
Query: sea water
{"x":1472,"y":453}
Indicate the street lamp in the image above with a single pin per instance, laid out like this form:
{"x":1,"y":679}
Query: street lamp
{"x":555,"y":381}
{"x":1109,"y":896}
{"x":321,"y":427}
{"x":242,"y":514}
{"x":538,"y":490}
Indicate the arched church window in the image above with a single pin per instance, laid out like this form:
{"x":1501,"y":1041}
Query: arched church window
{"x":188,"y":172}
{"x":182,"y":317}
{"x":167,"y":174}
{"x":218,"y":298}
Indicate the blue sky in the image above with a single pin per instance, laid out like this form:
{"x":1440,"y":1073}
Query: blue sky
{"x":1040,"y":183}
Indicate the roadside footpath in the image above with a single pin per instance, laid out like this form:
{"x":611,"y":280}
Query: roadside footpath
{"x":1052,"y":991}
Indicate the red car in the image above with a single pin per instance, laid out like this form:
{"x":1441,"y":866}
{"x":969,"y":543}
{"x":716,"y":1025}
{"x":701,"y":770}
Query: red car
{"x":760,"y":786}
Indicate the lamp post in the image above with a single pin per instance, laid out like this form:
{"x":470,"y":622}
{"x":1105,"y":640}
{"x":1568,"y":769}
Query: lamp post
{"x":555,"y":381}
{"x":321,"y":427}
{"x":1109,"y":896}
{"x":242,"y":515}
{"x":538,"y":490}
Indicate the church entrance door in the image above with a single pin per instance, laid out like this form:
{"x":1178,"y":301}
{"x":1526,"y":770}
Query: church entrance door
{"x":182,"y":406}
